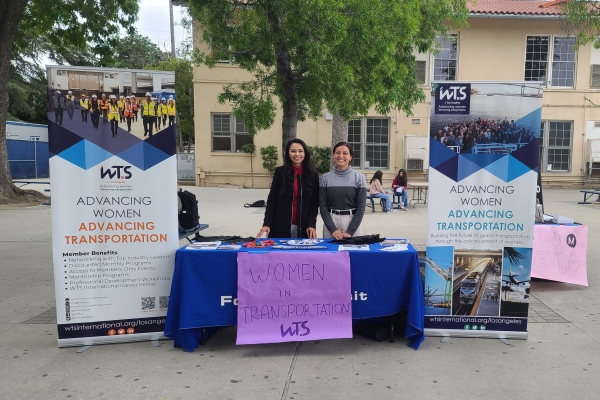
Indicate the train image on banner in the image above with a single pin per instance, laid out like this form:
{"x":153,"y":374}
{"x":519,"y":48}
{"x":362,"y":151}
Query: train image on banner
{"x":469,"y":287}
{"x":476,"y":282}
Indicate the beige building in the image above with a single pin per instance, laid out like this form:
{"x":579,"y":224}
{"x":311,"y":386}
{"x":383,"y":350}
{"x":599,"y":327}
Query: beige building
{"x":505,"y":41}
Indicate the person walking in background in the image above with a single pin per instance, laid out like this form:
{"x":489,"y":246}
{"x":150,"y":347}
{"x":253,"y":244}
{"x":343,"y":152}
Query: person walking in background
{"x":163,"y":112}
{"x":121,"y":108}
{"x":171,"y":111}
{"x":58,"y":103}
{"x":104,"y":108}
{"x":376,"y":190}
{"x":70,"y":103}
{"x":155,"y":101}
{"x":134,"y":106}
{"x":342,"y":196}
{"x":95,"y":111}
{"x":84,"y":104}
{"x":148,"y":114}
{"x":399,"y":186}
{"x":293,"y":201}
{"x":113,"y":115}
{"x":128,"y":112}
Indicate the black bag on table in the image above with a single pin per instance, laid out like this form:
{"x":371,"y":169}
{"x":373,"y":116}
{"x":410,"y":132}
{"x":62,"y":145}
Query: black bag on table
{"x":188,"y":218}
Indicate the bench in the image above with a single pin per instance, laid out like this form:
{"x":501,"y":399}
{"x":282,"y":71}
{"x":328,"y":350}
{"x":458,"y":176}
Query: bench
{"x":587,"y":193}
{"x":192,"y":232}
{"x":372,"y":205}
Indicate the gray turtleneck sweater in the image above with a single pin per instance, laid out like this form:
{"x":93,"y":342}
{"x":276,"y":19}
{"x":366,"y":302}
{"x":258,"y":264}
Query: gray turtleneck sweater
{"x":343,"y":190}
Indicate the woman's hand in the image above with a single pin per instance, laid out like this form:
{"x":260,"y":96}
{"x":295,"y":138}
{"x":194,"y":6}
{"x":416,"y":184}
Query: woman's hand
{"x":263,"y":230}
{"x":311,"y":232}
{"x":340,"y":235}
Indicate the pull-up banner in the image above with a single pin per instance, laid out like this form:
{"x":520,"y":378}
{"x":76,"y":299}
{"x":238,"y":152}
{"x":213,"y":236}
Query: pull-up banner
{"x":114,"y":208}
{"x":484,"y":147}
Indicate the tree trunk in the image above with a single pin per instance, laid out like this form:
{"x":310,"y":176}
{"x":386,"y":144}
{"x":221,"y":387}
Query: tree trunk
{"x":251,"y":172}
{"x":10,"y":16}
{"x":289,"y":123}
{"x":179,"y":134}
{"x":288,"y":95}
{"x":339,"y":133}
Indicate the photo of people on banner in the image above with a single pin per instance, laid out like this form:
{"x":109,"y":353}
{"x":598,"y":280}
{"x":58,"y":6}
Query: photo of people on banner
{"x":104,"y":102}
{"x":495,"y":124}
{"x":484,"y":153}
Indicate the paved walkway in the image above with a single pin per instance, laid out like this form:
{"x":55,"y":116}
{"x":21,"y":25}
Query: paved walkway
{"x":560,"y":360}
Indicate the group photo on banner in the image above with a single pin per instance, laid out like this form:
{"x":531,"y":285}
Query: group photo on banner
{"x":484,"y":154}
{"x":114,"y":229}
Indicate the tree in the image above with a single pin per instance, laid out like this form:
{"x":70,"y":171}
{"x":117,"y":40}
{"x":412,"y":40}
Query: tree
{"x":342,"y":55}
{"x":250,"y":148}
{"x":320,"y":157}
{"x":513,"y":255}
{"x":583,"y":16}
{"x":134,"y":51}
{"x":269,"y":157}
{"x":64,"y":24}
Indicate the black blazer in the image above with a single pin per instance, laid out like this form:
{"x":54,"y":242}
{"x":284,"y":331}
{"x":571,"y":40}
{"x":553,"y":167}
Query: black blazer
{"x":278,"y":215}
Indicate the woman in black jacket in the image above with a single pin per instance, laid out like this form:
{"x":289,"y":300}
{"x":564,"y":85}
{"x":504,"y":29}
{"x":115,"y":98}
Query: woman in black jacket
{"x":293,"y":201}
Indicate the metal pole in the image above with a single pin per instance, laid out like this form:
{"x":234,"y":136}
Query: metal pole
{"x":172,"y":29}
{"x":35,"y":157}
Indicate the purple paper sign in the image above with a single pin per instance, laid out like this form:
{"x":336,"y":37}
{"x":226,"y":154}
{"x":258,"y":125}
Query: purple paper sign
{"x":293,"y":296}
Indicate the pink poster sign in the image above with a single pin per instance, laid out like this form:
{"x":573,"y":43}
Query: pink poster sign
{"x":293,"y":296}
{"x":559,"y":253}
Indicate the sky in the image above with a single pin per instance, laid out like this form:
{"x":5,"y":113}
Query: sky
{"x":153,"y":22}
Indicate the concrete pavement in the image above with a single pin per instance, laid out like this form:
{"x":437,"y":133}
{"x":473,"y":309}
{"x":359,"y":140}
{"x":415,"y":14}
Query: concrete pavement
{"x":561,"y":358}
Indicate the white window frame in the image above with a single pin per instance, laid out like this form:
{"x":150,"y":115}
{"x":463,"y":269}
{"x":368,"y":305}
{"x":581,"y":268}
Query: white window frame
{"x":545,"y":147}
{"x":433,"y":56}
{"x":232,"y":132}
{"x":363,"y":142}
{"x":548,"y":80}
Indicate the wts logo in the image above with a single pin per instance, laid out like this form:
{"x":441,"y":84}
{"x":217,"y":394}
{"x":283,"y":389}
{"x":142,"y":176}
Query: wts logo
{"x":295,"y":331}
{"x":115,"y":171}
{"x":453,"y":93}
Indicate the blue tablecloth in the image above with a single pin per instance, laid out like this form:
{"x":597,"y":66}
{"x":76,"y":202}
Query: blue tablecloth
{"x":204,"y":290}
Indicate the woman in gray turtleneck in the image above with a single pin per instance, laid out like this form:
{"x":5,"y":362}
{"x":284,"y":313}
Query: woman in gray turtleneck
{"x":342,"y":196}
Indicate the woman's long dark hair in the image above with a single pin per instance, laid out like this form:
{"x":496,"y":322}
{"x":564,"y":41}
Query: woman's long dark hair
{"x":308,"y":173}
{"x":402,"y":180}
{"x":378,"y":175}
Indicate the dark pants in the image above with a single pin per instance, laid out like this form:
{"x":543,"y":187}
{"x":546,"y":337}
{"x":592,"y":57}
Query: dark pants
{"x":164,"y":122}
{"x":171,"y":120}
{"x":84,"y":114}
{"x":104,"y":116}
{"x":148,"y":124}
{"x":70,"y":110}
{"x":114,"y":126}
{"x":96,"y":118}
{"x":58,"y":115}
{"x":128,"y":124}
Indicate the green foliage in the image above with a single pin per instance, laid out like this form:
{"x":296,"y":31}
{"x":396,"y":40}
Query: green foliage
{"x":341,"y":55}
{"x":248,"y":148}
{"x":93,"y":25}
{"x":27,"y":94}
{"x":320,"y":157}
{"x":583,"y":16}
{"x":269,"y":157}
{"x":134,"y":51}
